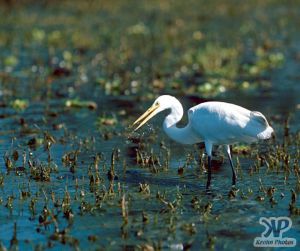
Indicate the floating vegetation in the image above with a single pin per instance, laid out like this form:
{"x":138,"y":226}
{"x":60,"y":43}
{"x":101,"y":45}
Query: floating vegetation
{"x":19,"y":104}
{"x":107,"y":120}
{"x":265,"y":60}
{"x":11,"y":61}
{"x":76,"y":103}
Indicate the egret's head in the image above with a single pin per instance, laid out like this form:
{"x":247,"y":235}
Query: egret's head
{"x":160,"y":104}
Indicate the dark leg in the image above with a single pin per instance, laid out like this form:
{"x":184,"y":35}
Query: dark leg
{"x":232,"y":167}
{"x":208,"y":174}
{"x":208,"y":148}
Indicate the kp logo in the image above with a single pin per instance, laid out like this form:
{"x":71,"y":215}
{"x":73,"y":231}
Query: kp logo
{"x":272,"y":236}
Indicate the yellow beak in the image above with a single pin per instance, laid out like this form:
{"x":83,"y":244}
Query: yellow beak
{"x":151,"y":112}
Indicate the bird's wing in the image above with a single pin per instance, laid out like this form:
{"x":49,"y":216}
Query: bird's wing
{"x":224,"y":123}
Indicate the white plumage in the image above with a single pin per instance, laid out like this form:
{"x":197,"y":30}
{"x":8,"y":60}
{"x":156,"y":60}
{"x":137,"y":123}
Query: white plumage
{"x":224,"y":123}
{"x":217,"y":123}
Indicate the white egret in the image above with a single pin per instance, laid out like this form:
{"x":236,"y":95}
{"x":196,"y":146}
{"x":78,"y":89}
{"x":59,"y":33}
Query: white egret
{"x":212,"y":122}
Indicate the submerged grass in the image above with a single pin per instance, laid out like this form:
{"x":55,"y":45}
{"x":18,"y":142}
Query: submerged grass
{"x":73,"y":177}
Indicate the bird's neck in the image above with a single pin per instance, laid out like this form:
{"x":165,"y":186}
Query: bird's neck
{"x":183,"y":135}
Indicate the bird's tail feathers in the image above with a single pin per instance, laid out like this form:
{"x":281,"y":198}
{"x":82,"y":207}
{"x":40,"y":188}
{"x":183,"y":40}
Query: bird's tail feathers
{"x":266,"y":134}
{"x":259,"y":118}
